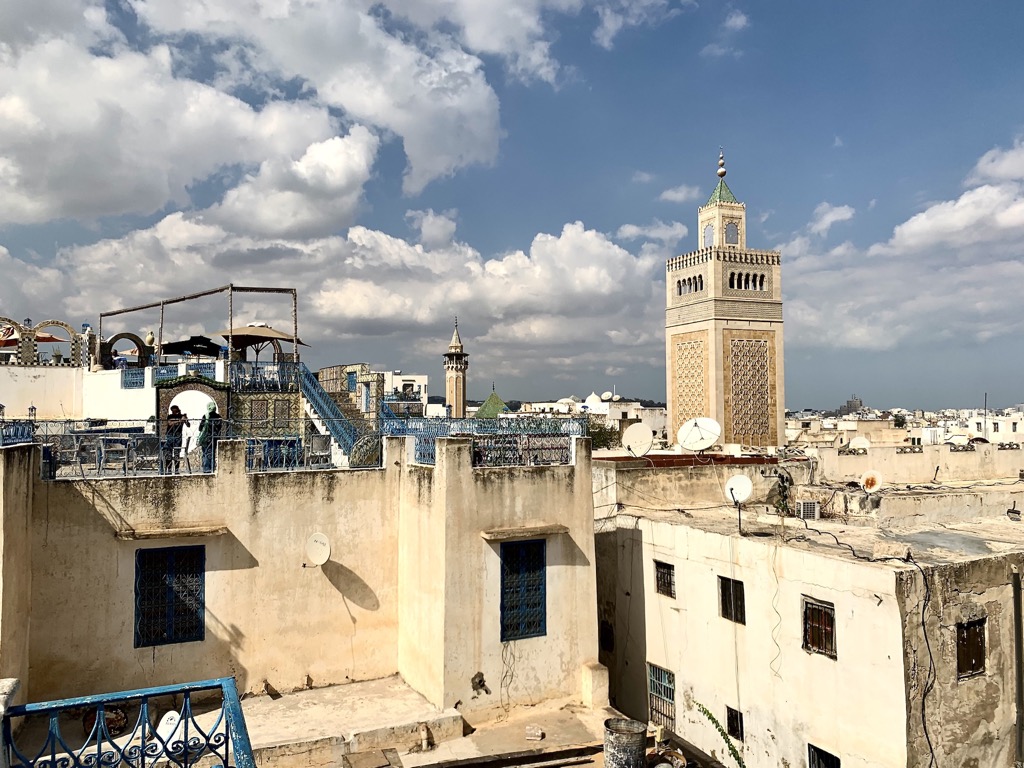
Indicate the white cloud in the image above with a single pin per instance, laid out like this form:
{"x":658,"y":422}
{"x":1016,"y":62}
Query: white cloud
{"x":684,"y":193}
{"x":669,"y":234}
{"x":717,"y":50}
{"x":1000,"y":164}
{"x":838,"y":142}
{"x":313,"y":196}
{"x":71,"y":118}
{"x":436,"y":230}
{"x":616,"y":15}
{"x":735,"y":21}
{"x":825,"y":215}
{"x":642,"y":177}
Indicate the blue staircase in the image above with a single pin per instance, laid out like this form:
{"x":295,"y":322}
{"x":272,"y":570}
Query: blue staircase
{"x":340,"y":428}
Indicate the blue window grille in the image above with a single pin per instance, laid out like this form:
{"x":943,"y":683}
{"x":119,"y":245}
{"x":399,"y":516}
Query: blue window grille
{"x":351,"y":376}
{"x":170,"y":595}
{"x":661,"y":688}
{"x":133,"y":378}
{"x":523,"y":583}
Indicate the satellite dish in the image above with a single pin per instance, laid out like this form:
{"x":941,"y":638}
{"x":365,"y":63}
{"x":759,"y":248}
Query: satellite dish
{"x":638,"y":439}
{"x":860,"y":443}
{"x":616,"y":398}
{"x":698,"y":434}
{"x":738,"y":489}
{"x":318,"y":549}
{"x":606,"y":396}
{"x":168,"y":725}
{"x":870,"y":481}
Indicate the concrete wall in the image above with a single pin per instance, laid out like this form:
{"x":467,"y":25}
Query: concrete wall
{"x":267,"y":617}
{"x":18,"y":467}
{"x":986,"y":462}
{"x":788,"y":697}
{"x":103,"y":397}
{"x":55,"y":391}
{"x":412,"y":585}
{"x":450,"y":578}
{"x":970,"y":721}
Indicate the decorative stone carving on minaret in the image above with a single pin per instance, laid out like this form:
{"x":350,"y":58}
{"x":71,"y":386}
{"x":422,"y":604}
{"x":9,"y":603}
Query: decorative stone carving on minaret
{"x":456,"y":364}
{"x":723,"y":327}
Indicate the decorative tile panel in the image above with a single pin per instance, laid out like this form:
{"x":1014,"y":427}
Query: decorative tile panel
{"x":689,"y":377}
{"x":750,"y":388}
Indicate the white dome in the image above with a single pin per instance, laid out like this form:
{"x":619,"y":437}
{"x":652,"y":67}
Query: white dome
{"x":593,"y":399}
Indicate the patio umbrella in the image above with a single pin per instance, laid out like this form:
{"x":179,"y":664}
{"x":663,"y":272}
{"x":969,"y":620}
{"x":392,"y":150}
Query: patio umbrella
{"x":41,"y":338}
{"x":194,"y":345}
{"x":255,"y":336}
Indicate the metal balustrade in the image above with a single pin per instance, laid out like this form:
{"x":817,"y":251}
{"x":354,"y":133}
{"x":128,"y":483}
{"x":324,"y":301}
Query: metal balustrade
{"x":209,"y":370}
{"x":16,"y":432}
{"x":133,"y":378}
{"x":122,"y":729}
{"x":340,"y":428}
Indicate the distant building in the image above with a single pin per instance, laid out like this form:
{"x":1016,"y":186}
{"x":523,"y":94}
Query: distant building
{"x":456,"y":364}
{"x":723,"y":328}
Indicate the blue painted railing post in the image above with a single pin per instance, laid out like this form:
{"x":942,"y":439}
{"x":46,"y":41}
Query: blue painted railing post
{"x":236,"y":726}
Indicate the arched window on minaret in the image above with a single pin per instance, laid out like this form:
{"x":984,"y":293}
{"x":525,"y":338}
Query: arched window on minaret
{"x":732,"y":279}
{"x":732,"y":233}
{"x":679,"y":287}
{"x":700,"y":282}
{"x":760,"y":283}
{"x":746,"y":281}
{"x":709,"y":236}
{"x":689,"y":285}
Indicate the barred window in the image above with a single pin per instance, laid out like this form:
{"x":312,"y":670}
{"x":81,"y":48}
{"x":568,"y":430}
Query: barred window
{"x":734,"y":723}
{"x":819,"y":758}
{"x":819,"y":627}
{"x":665,"y":578}
{"x":523,"y":582}
{"x":661,"y":688}
{"x":970,"y":648}
{"x":170,"y":587}
{"x":733,"y":604}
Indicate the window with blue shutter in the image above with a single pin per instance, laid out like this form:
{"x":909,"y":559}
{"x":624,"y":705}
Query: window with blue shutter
{"x":170,"y":595}
{"x":523,"y":577}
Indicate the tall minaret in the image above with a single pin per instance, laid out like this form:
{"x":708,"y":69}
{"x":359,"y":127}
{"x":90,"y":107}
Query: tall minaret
{"x":723,"y":328}
{"x":456,"y":363}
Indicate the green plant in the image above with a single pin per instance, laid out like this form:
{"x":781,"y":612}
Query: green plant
{"x":725,"y":736}
{"x":602,"y":434}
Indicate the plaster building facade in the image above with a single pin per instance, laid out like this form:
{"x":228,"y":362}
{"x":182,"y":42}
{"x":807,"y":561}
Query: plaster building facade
{"x":863,"y":630}
{"x":456,"y":366}
{"x":437,"y":572}
{"x":723,"y":328}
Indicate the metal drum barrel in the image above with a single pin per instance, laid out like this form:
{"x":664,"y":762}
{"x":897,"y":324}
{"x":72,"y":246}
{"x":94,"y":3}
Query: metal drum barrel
{"x":624,"y":743}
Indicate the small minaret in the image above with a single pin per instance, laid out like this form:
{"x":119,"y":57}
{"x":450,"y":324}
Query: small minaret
{"x":456,"y":363}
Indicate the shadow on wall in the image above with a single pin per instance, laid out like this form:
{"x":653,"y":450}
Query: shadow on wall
{"x":350,"y":585}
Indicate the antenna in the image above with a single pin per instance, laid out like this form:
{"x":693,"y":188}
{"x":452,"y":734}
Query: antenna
{"x":697,"y":434}
{"x":318,"y":550}
{"x":638,"y":439}
{"x":737,"y":490}
{"x":871,"y":481}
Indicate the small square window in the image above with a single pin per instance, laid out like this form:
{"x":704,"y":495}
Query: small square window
{"x":523,"y":585}
{"x":733,"y":604}
{"x":665,"y":578}
{"x":734,"y":723}
{"x":970,"y":648}
{"x":170,"y":593}
{"x":819,"y":627}
{"x":819,"y":758}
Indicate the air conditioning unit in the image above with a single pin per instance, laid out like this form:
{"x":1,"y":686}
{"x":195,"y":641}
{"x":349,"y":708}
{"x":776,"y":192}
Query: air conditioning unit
{"x":808,"y":510}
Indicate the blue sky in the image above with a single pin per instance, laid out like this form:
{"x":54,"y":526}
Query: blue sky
{"x":528,"y":165}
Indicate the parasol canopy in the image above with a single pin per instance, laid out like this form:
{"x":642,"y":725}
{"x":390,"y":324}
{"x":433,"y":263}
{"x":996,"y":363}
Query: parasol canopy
{"x":255,"y":336}
{"x":193,"y":345}
{"x":41,"y":338}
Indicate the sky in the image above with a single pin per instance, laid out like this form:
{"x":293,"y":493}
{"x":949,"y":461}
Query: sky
{"x":527,"y":165}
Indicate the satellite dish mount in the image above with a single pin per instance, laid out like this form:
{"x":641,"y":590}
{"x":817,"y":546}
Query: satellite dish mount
{"x":737,"y":490}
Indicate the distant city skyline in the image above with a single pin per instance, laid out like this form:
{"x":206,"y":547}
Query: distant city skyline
{"x":528,"y":165}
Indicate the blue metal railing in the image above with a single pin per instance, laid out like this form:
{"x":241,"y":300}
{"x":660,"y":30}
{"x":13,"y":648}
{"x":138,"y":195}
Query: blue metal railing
{"x":16,"y":432}
{"x":264,"y":377}
{"x":133,"y":378}
{"x":113,"y":742}
{"x":209,"y":370}
{"x":164,"y":372}
{"x":340,"y":428}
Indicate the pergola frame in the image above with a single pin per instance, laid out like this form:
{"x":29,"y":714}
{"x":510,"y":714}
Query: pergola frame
{"x":231,"y":290}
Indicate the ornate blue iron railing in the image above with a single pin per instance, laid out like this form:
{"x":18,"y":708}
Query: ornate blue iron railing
{"x":274,"y":453}
{"x":209,"y":370}
{"x":164,"y":372}
{"x":113,"y":742}
{"x":133,"y":378}
{"x":518,"y":450}
{"x":16,"y":432}
{"x":264,"y":377}
{"x":341,"y":429}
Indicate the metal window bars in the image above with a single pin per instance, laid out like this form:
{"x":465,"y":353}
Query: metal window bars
{"x":187,"y":735}
{"x":661,"y":689}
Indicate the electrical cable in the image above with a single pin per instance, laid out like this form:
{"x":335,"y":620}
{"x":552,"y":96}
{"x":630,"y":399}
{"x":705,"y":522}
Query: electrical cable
{"x":508,"y":676}
{"x":930,"y":677}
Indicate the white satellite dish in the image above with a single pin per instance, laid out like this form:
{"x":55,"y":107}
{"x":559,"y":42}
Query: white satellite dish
{"x":318,"y":549}
{"x":606,"y":396}
{"x":168,"y":725}
{"x":860,"y":443}
{"x":616,"y":398}
{"x":738,"y":489}
{"x":638,"y":439}
{"x":698,"y":434}
{"x":870,"y":481}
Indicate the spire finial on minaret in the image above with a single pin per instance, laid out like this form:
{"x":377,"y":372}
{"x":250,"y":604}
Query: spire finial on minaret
{"x":721,"y":163}
{"x":456,"y":321}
